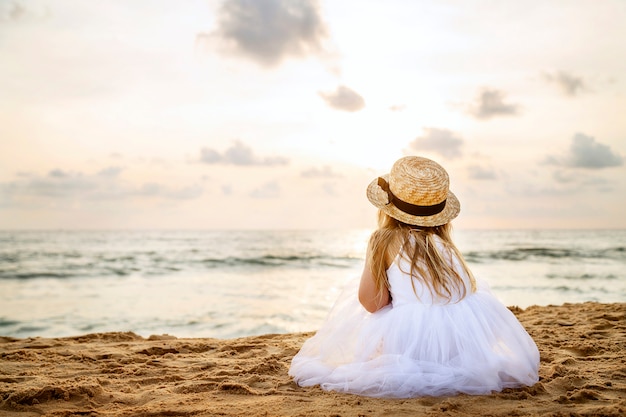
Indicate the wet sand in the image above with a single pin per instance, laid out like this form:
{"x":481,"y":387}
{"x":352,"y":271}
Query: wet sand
{"x":583,"y":373}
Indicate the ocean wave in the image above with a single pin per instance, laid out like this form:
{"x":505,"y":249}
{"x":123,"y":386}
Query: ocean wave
{"x":33,"y":275}
{"x":8,"y":322}
{"x":282,"y":260}
{"x":70,"y":255}
{"x":45,"y":266}
{"x":538,"y":253}
{"x":583,"y":276}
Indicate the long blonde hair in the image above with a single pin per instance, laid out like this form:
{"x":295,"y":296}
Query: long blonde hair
{"x":419,"y":246}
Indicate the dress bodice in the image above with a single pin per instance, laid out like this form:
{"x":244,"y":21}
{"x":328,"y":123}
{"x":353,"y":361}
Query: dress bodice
{"x":402,"y":291}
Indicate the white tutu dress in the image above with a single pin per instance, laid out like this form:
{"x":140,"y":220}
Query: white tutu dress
{"x":418,"y":346}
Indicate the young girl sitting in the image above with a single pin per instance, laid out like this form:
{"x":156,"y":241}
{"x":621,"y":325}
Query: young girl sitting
{"x":420,"y":323}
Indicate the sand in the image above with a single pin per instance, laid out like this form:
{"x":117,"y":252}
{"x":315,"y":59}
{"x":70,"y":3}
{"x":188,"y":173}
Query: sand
{"x":583,"y":373}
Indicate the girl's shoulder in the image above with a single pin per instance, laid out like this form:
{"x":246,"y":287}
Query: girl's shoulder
{"x":386,"y":244}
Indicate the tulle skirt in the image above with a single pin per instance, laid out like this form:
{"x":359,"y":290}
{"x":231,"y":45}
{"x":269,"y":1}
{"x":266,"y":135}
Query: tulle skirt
{"x":475,"y":346}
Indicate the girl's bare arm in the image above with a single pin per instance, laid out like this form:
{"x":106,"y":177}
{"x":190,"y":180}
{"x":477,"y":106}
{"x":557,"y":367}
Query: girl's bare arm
{"x":369,"y":296}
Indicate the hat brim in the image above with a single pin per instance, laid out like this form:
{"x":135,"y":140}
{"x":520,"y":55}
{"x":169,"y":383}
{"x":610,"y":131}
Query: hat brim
{"x":378,"y":198}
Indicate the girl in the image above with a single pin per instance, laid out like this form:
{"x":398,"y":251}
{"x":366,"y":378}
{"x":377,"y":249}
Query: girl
{"x":420,"y":323}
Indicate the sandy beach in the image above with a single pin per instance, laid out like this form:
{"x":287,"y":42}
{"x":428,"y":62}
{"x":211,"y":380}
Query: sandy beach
{"x":583,"y":373}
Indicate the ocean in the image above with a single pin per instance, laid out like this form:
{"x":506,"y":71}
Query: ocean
{"x":226,"y":284}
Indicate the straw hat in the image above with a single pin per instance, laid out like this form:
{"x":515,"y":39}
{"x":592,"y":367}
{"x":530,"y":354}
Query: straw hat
{"x":416,"y":192}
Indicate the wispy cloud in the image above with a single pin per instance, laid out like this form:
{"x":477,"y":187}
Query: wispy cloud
{"x":397,"y":107}
{"x":569,"y":84}
{"x":239,"y":154}
{"x":442,"y":141}
{"x":325,"y":172}
{"x":478,"y":172}
{"x":267,"y":190}
{"x":12,"y":10}
{"x":491,"y":103}
{"x":78,"y":186}
{"x":329,"y":189}
{"x":227,"y":189}
{"x":16,"y":10}
{"x":585,"y":152}
{"x":269,"y":31}
{"x":574,"y":178}
{"x":343,"y":98}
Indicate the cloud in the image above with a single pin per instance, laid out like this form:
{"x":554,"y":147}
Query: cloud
{"x":152,"y":189}
{"x":329,"y":189}
{"x":12,"y":10}
{"x":397,"y":107}
{"x":268,"y":190}
{"x":442,"y":141}
{"x":56,"y":184}
{"x":16,"y":11}
{"x":585,"y":152}
{"x":110,"y":172}
{"x":227,"y":189}
{"x":478,"y":172}
{"x":269,"y":31}
{"x":574,"y":181}
{"x":239,"y":154}
{"x":210,"y":156}
{"x":78,"y":186}
{"x":569,"y":84}
{"x":491,"y":103}
{"x":325,"y":172}
{"x":343,"y":98}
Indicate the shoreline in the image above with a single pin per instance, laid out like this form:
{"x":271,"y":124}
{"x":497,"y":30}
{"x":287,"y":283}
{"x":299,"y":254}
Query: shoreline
{"x":582,"y":373}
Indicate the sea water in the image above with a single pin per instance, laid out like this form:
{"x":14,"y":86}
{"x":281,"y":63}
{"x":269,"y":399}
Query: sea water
{"x":226,"y":284}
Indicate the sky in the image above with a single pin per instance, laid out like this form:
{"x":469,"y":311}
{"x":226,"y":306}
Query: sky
{"x":276,"y":114}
